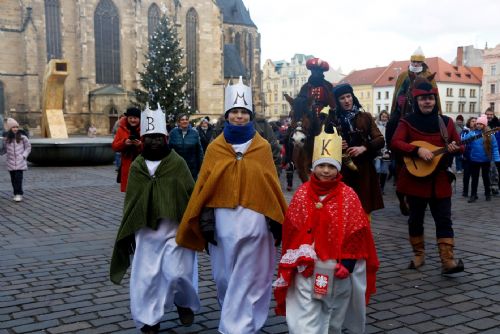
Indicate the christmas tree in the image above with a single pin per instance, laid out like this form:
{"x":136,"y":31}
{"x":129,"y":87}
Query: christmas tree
{"x":164,"y":76}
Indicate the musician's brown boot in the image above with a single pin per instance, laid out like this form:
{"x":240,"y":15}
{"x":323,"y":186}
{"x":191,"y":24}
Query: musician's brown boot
{"x":448,"y":263}
{"x":418,"y":245}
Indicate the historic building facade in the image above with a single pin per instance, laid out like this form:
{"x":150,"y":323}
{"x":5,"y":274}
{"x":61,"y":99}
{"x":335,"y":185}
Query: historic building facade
{"x":491,"y":80}
{"x":104,"y":42}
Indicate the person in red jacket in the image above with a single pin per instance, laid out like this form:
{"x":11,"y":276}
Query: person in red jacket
{"x":127,"y":142}
{"x":426,"y":124}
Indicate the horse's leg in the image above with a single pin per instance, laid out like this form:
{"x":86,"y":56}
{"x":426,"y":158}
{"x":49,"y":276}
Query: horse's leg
{"x":303,"y":166}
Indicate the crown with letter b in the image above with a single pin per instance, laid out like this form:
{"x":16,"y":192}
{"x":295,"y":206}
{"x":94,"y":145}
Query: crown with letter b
{"x":153,"y":121}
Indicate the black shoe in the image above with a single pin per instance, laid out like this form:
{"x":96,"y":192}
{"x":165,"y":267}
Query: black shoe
{"x":472,"y":199}
{"x":151,"y":329}
{"x":186,"y":315}
{"x":457,"y":269}
{"x":464,"y":194}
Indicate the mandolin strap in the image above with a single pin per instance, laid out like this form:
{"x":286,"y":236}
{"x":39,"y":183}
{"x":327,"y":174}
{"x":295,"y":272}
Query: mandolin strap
{"x":443,"y":130}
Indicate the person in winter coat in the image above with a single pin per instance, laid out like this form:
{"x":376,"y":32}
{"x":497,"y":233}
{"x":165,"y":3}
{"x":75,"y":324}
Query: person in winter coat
{"x":383,"y":160}
{"x":482,"y":152}
{"x":186,"y":142}
{"x":17,"y":147}
{"x":470,"y":125}
{"x":127,"y":142}
{"x":205,"y":130}
{"x":329,"y":262}
{"x":362,"y":141}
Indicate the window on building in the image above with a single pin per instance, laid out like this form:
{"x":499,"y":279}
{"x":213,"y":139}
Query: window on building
{"x":153,"y":19}
{"x":461,"y":107}
{"x":386,"y":107}
{"x":493,"y":70}
{"x":472,"y":107}
{"x":449,"y":107}
{"x":378,"y":95}
{"x":449,"y":91}
{"x":367,"y":95}
{"x":284,"y":82}
{"x":492,"y":106}
{"x":492,"y":89}
{"x":107,"y":43}
{"x":192,"y":57}
{"x":386,"y":95}
{"x":472,"y":93}
{"x":378,"y":108}
{"x":362,"y":94}
{"x":53,"y":29}
{"x":461,"y":92}
{"x":275,"y":97}
{"x":268,"y":86}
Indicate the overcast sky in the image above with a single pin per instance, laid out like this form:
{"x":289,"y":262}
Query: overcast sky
{"x":357,"y":34}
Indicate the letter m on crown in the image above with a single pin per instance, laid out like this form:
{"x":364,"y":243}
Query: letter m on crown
{"x":238,"y":96}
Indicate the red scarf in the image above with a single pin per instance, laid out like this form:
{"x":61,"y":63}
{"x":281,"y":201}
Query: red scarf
{"x":322,"y":188}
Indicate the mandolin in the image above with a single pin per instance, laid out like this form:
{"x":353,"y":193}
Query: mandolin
{"x":421,"y":168}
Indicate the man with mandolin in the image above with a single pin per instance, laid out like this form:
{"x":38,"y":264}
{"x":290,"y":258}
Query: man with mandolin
{"x":426,"y":126}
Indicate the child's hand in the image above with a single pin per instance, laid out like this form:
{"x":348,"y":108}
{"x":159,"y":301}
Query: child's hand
{"x":341,"y":271}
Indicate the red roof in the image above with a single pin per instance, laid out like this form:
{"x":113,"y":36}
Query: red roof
{"x":363,"y":77}
{"x":445,"y":72}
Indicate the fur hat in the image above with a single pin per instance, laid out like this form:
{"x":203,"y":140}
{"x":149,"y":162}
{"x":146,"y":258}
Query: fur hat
{"x":482,"y":120}
{"x":133,"y":111}
{"x":10,"y":123}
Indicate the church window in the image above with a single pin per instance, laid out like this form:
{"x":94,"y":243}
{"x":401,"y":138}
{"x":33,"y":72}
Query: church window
{"x":53,"y":29}
{"x":107,"y":43}
{"x":153,"y":19}
{"x":192,"y":57}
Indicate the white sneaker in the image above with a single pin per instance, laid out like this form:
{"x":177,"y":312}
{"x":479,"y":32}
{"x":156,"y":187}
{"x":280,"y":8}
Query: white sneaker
{"x":18,"y":198}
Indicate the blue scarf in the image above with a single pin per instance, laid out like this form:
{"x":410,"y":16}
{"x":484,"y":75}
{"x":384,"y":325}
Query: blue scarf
{"x":238,"y":134}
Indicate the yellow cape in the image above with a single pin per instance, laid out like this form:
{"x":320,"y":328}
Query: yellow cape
{"x":225,"y":182}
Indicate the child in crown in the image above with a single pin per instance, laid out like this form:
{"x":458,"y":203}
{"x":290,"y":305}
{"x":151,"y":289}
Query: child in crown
{"x":327,"y":270}
{"x":163,"y":274}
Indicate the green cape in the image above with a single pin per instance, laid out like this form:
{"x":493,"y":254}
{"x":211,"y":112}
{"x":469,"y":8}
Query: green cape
{"x":147,"y":200}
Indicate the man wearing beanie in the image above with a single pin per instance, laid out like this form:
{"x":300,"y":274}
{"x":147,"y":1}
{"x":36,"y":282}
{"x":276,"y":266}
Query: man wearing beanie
{"x":236,"y":211}
{"x":327,"y":270}
{"x":434,"y":190}
{"x":162,"y":273}
{"x":362,"y":141}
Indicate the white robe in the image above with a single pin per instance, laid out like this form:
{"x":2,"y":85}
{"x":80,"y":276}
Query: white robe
{"x":344,"y":308}
{"x":243,"y":263}
{"x":162,"y":273}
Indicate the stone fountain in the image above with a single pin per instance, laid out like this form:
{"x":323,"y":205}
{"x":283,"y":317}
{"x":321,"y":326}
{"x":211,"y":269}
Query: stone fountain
{"x":56,"y":148}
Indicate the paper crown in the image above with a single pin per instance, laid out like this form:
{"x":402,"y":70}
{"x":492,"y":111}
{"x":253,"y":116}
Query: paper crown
{"x":418,"y":55}
{"x":153,"y":121}
{"x":238,"y":96}
{"x":327,"y":149}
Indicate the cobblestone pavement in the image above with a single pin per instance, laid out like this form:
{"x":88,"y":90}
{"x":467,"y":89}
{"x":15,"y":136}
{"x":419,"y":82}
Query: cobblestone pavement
{"x":55,"y":248}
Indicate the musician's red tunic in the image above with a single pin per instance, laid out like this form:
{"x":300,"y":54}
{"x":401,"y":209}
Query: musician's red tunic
{"x":435,"y":185}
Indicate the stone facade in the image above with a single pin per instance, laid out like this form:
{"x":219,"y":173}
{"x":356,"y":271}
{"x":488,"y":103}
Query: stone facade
{"x":23,"y":57}
{"x":491,"y":80}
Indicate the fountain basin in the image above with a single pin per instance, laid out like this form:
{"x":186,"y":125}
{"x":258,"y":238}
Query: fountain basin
{"x":74,"y":151}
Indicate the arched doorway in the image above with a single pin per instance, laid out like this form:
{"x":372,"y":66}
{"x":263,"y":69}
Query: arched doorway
{"x":112,"y":116}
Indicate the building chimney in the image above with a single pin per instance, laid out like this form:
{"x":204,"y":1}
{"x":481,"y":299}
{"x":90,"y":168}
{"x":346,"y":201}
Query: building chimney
{"x":460,"y":56}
